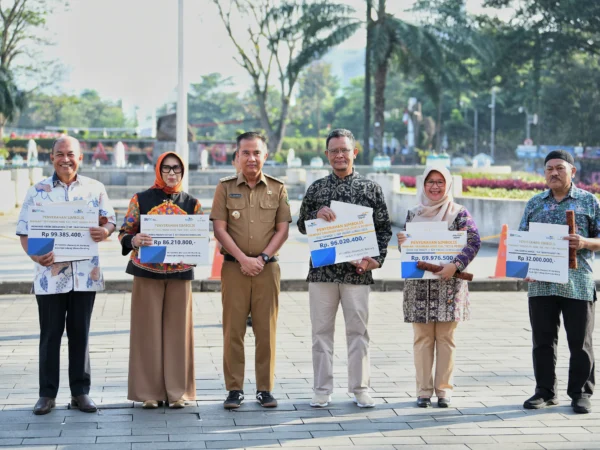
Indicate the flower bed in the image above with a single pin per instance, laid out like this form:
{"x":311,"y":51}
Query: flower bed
{"x":474,"y":184}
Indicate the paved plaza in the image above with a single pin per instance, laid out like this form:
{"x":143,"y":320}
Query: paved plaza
{"x":493,"y":377}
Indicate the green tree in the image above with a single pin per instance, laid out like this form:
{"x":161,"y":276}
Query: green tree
{"x":12,"y":100}
{"x":412,"y":49}
{"x":282,"y":39}
{"x":215,"y":109}
{"x":317,"y":88}
{"x":88,"y":110}
{"x":540,"y":33}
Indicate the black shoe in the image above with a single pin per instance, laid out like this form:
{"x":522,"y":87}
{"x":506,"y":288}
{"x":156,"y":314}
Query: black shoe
{"x":539,"y":402}
{"x":265,"y":399}
{"x":581,"y":405}
{"x":443,"y":402}
{"x":84,"y":403}
{"x":249,"y":321}
{"x":234,"y":400}
{"x":43,"y":406}
{"x":423,"y":402}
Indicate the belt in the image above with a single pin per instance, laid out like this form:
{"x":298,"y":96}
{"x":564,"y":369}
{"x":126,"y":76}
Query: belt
{"x":232,"y":259}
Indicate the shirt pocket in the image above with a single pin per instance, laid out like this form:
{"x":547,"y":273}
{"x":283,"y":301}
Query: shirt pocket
{"x":268,"y":211}
{"x":235,"y":205}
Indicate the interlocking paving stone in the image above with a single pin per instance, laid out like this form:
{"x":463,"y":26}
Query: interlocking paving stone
{"x":539,"y":438}
{"x":168,"y":445}
{"x":519,"y":446}
{"x":10,"y":441}
{"x":60,"y":440}
{"x":570,"y":445}
{"x":29,"y":433}
{"x":493,"y":378}
{"x":265,"y":443}
{"x":118,"y":439}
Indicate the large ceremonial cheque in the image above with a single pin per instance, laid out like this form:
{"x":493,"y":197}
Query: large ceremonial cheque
{"x":432,"y":245}
{"x":350,"y":237}
{"x":63,"y":229}
{"x":175,"y":239}
{"x":536,"y":255}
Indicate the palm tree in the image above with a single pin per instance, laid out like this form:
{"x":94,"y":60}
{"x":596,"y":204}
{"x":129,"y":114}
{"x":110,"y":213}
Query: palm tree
{"x":412,"y":48}
{"x":12,"y":100}
{"x":435,"y":53}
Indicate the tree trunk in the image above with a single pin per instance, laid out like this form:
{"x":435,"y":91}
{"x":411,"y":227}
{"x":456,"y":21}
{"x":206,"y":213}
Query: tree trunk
{"x":367,"y":108}
{"x":380,"y":82}
{"x":276,"y":140}
{"x":272,"y":140}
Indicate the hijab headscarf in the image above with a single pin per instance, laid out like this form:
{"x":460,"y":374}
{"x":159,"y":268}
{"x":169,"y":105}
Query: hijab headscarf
{"x":159,"y":183}
{"x":443,"y":209}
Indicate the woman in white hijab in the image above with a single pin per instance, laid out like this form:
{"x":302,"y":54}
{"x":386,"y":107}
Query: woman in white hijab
{"x":435,"y":307}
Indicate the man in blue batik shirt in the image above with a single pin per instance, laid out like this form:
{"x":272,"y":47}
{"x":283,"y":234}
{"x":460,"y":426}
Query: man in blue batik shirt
{"x":576,"y":300}
{"x":65,"y":291}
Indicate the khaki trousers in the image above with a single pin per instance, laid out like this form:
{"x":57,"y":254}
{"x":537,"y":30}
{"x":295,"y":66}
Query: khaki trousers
{"x":324,"y":300}
{"x":161,"y":351}
{"x":438,"y":336}
{"x":241,"y":295}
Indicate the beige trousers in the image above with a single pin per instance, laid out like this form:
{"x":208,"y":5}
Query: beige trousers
{"x":161,"y":350}
{"x":260,"y":296}
{"x":324,"y":300}
{"x":438,"y":337}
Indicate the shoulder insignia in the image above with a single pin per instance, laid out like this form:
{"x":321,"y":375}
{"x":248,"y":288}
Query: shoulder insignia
{"x":229,"y":178}
{"x":274,"y":178}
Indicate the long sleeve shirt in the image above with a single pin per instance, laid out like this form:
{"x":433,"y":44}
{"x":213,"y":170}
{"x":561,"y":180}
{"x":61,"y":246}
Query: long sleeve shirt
{"x":351,"y":189}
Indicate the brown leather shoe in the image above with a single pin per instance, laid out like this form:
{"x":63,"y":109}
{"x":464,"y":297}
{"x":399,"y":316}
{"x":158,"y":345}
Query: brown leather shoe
{"x":43,"y":406}
{"x":84,"y":403}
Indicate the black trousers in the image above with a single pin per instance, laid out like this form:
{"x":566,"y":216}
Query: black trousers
{"x":578,"y":316}
{"x":76,"y":308}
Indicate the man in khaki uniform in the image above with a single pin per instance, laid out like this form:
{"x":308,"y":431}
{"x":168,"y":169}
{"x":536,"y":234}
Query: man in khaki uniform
{"x":251,"y":216}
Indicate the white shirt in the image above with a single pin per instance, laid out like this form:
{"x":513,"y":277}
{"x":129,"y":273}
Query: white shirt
{"x":64,"y":277}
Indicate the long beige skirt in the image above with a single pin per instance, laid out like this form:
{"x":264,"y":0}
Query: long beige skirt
{"x":161,"y":351}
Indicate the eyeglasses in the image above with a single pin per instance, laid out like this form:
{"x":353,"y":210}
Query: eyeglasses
{"x":345,"y":151}
{"x":166,"y":169}
{"x":438,"y":183}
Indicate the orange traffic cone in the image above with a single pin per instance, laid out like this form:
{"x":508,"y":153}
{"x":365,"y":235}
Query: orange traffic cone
{"x":215,"y":272}
{"x":501,"y":259}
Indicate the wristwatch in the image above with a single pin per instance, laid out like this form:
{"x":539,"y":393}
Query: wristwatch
{"x":265,"y":257}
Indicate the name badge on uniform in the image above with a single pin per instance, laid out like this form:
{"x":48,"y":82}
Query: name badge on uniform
{"x":269,"y":192}
{"x":235,"y":195}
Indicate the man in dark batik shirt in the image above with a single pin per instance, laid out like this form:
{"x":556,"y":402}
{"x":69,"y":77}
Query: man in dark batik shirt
{"x":339,"y":283}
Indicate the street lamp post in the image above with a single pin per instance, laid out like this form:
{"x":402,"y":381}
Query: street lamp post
{"x":181,"y":144}
{"x":529,"y":119}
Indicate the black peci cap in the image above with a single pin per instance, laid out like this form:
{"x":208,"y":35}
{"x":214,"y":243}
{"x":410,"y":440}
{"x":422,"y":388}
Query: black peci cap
{"x":560,"y":154}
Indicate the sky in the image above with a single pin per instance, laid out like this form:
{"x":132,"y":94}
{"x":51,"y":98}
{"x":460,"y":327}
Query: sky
{"x":127,"y":49}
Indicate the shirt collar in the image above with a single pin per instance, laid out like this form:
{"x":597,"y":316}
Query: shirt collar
{"x":56,"y":181}
{"x":574,"y":192}
{"x":242,"y":179}
{"x":350,"y":177}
